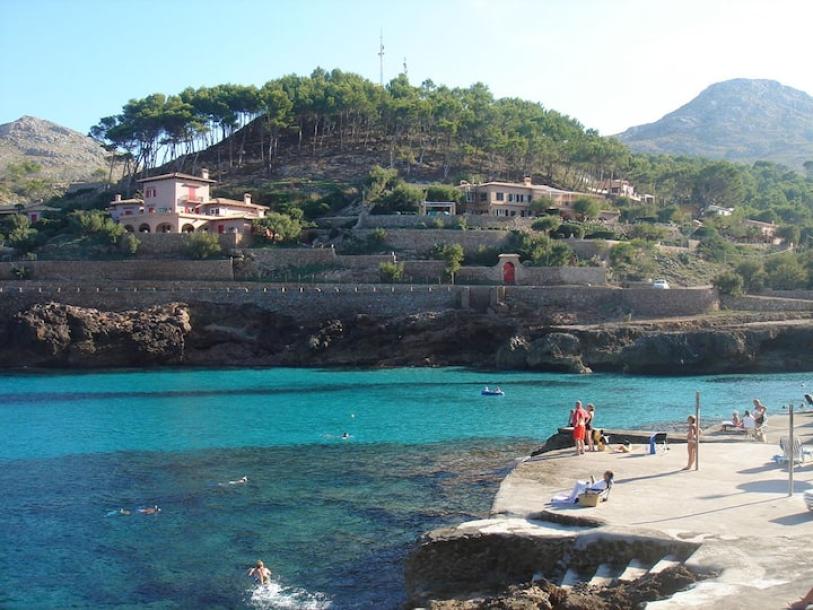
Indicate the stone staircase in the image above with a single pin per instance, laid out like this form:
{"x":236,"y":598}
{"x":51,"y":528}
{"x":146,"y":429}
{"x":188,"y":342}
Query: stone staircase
{"x":607,"y":574}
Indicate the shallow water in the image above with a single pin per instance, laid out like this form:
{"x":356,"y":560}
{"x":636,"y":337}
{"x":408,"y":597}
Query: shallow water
{"x":333,"y":518}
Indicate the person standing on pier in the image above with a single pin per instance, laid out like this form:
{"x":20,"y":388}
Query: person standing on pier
{"x":579,"y":425}
{"x":692,"y":439}
{"x":588,"y":426}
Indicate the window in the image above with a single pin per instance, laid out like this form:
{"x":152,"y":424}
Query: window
{"x":483,"y":197}
{"x":510,"y":197}
{"x":470,"y":197}
{"x":500,"y":196}
{"x":520,"y":198}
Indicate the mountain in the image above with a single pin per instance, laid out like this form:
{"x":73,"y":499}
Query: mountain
{"x":64,"y":154}
{"x":738,"y":120}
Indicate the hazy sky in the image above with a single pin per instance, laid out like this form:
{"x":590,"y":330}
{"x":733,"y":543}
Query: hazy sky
{"x":609,"y":63}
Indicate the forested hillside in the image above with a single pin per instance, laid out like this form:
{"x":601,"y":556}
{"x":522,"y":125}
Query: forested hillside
{"x":429,"y":133}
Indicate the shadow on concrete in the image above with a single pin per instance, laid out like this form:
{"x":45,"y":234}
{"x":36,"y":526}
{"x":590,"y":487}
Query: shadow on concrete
{"x":797,"y":519}
{"x":704,"y":512}
{"x":759,"y":469}
{"x":774,"y":486}
{"x":650,"y":476}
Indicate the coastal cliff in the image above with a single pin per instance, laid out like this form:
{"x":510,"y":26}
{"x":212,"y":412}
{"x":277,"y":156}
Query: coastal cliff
{"x":208,"y":334}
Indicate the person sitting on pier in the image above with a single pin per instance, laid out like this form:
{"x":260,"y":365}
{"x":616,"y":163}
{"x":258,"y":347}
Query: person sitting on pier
{"x":734,"y":422}
{"x":603,"y":486}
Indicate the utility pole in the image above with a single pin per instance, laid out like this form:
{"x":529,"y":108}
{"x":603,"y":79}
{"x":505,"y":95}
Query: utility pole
{"x":790,"y":450}
{"x":381,"y":57}
{"x":697,"y":423}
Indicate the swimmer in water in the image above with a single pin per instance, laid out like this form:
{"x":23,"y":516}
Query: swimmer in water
{"x":260,"y":574}
{"x":150,"y":510}
{"x":345,"y":435}
{"x":116,"y":513}
{"x":241,"y":481}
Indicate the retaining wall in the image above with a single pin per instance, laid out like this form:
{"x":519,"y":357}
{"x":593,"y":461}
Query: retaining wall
{"x":330,"y":301}
{"x":484,"y":221}
{"x":364,"y":261}
{"x":419,"y":242}
{"x":535,"y":276}
{"x":166,"y":244}
{"x":216,"y":270}
{"x":806,"y":295}
{"x":762,"y":303}
{"x":272,"y":259}
{"x":646,"y":302}
{"x":307,"y":303}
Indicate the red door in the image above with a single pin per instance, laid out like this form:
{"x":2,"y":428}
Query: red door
{"x":221,"y":228}
{"x":508,"y":273}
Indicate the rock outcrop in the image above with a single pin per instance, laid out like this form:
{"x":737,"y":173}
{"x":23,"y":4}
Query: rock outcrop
{"x":53,"y":334}
{"x":207,"y":334}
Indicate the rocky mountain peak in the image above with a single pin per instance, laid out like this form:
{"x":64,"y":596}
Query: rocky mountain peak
{"x":63,"y":154}
{"x":739,"y":120}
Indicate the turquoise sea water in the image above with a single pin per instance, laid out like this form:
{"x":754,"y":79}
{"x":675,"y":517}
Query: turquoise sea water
{"x":333,"y":518}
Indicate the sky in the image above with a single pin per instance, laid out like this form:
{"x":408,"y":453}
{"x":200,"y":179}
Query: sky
{"x":610,"y":64}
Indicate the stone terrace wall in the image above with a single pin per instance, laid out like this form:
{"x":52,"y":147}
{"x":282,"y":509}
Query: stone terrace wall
{"x":172,"y":244}
{"x":311,"y":303}
{"x":535,"y":276}
{"x":273,"y":259}
{"x":392,"y":221}
{"x":307,"y":303}
{"x":364,"y":261}
{"x":806,"y":295}
{"x":424,"y":271}
{"x":646,"y":302}
{"x":79,"y":271}
{"x":760,"y":303}
{"x":418,"y":242}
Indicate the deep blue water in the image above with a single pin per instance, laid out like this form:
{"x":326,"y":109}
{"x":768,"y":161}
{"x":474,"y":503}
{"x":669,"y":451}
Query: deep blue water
{"x":333,"y":518}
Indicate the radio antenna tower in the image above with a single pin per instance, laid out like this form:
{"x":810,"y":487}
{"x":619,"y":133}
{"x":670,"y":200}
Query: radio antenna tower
{"x":381,"y":58}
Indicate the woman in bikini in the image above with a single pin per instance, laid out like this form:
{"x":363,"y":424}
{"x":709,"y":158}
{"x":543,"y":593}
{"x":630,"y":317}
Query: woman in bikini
{"x":692,"y":438}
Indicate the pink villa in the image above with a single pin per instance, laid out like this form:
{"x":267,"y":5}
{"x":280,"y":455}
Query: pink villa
{"x":180,"y":203}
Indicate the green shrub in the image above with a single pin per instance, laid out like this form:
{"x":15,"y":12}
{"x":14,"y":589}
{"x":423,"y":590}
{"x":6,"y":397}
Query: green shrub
{"x":279,"y":228}
{"x":648,"y":232}
{"x":569,"y":229}
{"x":201,"y":245}
{"x":785,"y":272}
{"x":403,"y":198}
{"x":452,"y":254}
{"x":547,"y":224}
{"x":129,"y":244}
{"x":729,"y":283}
{"x":586,"y":207}
{"x":633,"y":260}
{"x":443,"y":192}
{"x":391,"y":272}
{"x":484,"y":256}
{"x":753,"y":275}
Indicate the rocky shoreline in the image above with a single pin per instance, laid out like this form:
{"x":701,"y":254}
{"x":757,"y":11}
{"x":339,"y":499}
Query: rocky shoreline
{"x":207,"y":334}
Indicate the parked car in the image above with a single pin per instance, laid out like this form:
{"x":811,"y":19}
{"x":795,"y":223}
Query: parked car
{"x":662,"y":284}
